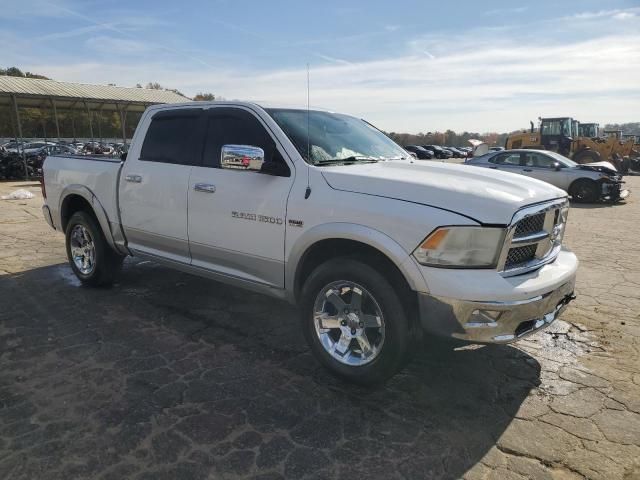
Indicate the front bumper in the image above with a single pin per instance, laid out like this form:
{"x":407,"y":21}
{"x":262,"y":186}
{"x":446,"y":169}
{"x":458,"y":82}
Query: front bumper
{"x":493,"y":321}
{"x":614,"y":191}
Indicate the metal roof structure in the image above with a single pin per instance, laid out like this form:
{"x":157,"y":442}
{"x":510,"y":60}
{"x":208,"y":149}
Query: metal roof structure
{"x":32,"y":92}
{"x":21,"y":92}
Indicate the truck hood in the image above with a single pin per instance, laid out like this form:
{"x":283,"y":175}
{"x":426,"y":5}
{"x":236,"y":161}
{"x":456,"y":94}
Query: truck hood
{"x":485,"y":195}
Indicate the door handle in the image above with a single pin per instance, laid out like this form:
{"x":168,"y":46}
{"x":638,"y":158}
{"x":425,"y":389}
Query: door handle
{"x":204,"y":187}
{"x":133,"y":178}
{"x":527,"y":170}
{"x":495,"y":168}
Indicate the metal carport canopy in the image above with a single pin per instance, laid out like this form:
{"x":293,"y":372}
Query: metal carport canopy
{"x":37,"y":93}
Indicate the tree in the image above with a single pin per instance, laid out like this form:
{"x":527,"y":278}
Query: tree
{"x":154,"y":86}
{"x":204,"y":97}
{"x":16,"y":72}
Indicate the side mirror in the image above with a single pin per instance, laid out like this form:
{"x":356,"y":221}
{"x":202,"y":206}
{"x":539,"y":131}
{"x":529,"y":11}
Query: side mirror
{"x":556,"y":166}
{"x":242,"y":157}
{"x":123,"y":156}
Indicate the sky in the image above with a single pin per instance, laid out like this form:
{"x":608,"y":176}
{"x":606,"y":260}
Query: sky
{"x":406,"y":66}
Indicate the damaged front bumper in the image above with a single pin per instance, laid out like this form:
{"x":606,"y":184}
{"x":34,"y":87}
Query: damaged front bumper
{"x":614,"y":191}
{"x":496,"y":322}
{"x":484,"y":307}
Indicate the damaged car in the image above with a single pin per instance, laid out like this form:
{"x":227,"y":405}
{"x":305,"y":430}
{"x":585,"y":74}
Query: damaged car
{"x":587,"y":182}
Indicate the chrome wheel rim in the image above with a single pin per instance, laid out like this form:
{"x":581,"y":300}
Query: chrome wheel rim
{"x":83,"y":250}
{"x":349,"y":323}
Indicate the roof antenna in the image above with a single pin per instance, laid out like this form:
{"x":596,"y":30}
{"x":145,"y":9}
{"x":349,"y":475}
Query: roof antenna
{"x":307,"y":193}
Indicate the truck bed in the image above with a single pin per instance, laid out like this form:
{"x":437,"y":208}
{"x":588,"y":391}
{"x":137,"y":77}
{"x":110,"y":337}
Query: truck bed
{"x":96,"y":173}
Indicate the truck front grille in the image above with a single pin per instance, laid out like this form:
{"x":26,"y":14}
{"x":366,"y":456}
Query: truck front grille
{"x":520,"y":255}
{"x":534,"y":237}
{"x":530,"y":224}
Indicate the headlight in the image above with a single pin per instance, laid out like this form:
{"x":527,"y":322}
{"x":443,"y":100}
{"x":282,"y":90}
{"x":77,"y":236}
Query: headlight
{"x":469,"y":247}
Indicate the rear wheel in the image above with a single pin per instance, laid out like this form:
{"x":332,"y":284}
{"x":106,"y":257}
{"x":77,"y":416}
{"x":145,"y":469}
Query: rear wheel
{"x":584,"y":190}
{"x":90,"y":256}
{"x":354,"y":321}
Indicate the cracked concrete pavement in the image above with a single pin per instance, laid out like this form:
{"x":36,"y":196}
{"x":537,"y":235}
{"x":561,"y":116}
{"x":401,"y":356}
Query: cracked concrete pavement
{"x":168,"y":376}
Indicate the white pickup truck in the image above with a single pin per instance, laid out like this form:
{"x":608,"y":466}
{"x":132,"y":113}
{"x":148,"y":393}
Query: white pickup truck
{"x":325,"y":211}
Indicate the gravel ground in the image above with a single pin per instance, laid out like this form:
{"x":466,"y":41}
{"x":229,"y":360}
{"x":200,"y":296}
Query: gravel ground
{"x":170,"y":376}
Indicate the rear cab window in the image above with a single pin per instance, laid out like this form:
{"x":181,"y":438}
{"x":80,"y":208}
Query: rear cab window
{"x":172,"y":137}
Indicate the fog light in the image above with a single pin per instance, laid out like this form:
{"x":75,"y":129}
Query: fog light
{"x":484,"y":318}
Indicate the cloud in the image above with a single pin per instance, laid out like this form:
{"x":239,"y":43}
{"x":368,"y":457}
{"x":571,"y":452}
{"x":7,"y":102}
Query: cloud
{"x":333,"y":59}
{"x":618,"y":14}
{"x":117,"y":46}
{"x":506,"y":11}
{"x":480,"y":80}
{"x":17,"y":9}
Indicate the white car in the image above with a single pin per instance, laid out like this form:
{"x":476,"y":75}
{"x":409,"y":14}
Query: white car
{"x":587,"y":182}
{"x":325,"y":211}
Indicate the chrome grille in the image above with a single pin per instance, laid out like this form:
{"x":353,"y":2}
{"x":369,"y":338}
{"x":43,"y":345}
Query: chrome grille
{"x":530,"y":224}
{"x":534,"y":237}
{"x":519,"y":255}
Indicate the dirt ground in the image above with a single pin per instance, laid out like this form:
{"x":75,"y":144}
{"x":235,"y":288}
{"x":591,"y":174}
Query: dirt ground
{"x":170,"y":376}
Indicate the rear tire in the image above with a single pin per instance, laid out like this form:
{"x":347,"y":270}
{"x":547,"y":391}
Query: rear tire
{"x":361,"y":337}
{"x":91,"y":258}
{"x":584,"y":191}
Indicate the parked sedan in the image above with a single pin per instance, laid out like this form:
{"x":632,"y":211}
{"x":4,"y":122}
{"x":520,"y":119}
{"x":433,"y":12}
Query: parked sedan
{"x":587,"y":182}
{"x":438,"y":151}
{"x":420,"y":152}
{"x":457,"y":153}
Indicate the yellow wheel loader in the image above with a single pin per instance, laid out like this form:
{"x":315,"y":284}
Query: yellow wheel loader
{"x":579,"y":142}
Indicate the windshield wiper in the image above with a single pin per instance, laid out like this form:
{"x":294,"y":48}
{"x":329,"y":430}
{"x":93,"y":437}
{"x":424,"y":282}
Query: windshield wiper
{"x":346,"y":161}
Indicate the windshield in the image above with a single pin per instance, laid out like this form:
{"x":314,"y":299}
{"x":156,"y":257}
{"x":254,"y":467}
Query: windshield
{"x":557,"y":127}
{"x":588,"y":130}
{"x":334,"y":136}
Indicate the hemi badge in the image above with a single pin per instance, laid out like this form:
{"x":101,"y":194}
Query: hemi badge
{"x":296,"y":223}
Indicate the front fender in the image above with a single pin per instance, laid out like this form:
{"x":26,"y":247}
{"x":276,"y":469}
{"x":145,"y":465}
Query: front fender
{"x":98,"y":210}
{"x":359,"y":233}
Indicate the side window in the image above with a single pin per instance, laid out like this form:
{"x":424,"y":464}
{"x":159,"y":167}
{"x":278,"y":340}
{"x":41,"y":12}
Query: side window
{"x":507,"y":159}
{"x":537,"y":160}
{"x":234,"y":126}
{"x":171,"y":136}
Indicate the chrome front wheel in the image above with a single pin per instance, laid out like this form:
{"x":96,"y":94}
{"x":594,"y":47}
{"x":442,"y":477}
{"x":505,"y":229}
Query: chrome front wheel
{"x":349,"y":323}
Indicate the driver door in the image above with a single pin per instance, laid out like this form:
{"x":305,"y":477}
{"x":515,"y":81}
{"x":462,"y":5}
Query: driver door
{"x":237,"y":215}
{"x":542,"y":167}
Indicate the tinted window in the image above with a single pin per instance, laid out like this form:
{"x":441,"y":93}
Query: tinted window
{"x":506,"y":159}
{"x":170,"y":138}
{"x":233,"y":126}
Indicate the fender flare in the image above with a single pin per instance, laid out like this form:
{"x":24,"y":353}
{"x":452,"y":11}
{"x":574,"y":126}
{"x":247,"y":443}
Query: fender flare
{"x":359,"y":233}
{"x":98,"y":210}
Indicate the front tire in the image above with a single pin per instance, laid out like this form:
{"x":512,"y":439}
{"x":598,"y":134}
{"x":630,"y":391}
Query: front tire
{"x":90,"y":256}
{"x":584,"y":191}
{"x":354,"y":321}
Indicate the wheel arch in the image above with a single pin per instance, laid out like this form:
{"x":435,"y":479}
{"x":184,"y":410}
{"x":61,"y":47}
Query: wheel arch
{"x":76,"y":198}
{"x":327,"y":241}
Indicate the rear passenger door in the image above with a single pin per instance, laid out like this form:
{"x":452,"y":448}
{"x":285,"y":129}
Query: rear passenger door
{"x":237,"y":217}
{"x":154,"y":183}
